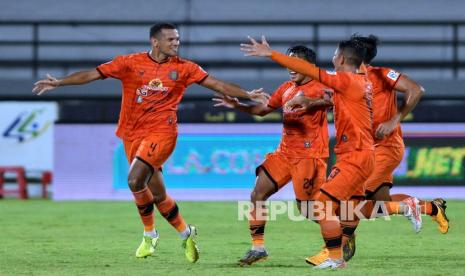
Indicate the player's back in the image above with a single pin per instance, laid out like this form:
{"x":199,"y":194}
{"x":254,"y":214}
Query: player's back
{"x":151,"y":91}
{"x":303,"y":135}
{"x":385,"y":102}
{"x":352,"y":110}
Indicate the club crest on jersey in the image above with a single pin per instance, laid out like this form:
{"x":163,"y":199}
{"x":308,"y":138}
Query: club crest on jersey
{"x":154,"y":86}
{"x":173,"y":75}
{"x":393,"y":75}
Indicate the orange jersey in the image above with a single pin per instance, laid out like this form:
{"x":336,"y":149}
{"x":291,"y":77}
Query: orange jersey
{"x":385,"y":102}
{"x":303,"y":136}
{"x":151,"y":92}
{"x":353,"y":116}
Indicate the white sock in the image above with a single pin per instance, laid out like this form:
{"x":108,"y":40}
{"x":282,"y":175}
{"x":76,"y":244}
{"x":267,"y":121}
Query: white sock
{"x":258,"y":247}
{"x":152,"y":234}
{"x":185,"y":233}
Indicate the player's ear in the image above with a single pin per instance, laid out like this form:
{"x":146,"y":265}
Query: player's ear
{"x":153,"y":41}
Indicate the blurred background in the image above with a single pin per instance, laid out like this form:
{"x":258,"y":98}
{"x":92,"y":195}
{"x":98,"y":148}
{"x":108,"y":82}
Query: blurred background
{"x":62,"y":145}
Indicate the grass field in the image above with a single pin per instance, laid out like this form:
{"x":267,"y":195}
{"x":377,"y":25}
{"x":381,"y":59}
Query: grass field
{"x":100,"y":238}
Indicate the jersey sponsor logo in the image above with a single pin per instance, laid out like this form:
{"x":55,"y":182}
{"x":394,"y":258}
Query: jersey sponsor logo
{"x":331,"y":72}
{"x":154,"y":86}
{"x":393,"y":75}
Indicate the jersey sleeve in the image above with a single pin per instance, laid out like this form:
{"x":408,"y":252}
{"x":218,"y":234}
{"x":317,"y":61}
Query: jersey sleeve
{"x":276,"y":100}
{"x":339,"y":81}
{"x":390,"y":78}
{"x":114,"y":69}
{"x":195,"y":73}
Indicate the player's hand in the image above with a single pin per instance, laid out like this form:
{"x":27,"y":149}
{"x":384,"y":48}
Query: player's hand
{"x":259,"y":96}
{"x":256,"y":49}
{"x":225,"y":101}
{"x":386,"y":128}
{"x":44,"y":85}
{"x":298,"y":103}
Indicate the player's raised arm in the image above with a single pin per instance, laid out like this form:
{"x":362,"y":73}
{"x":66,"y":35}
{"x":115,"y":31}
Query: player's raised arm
{"x":413,"y":92}
{"x":263,"y":49}
{"x":77,"y":78}
{"x":302,"y":103}
{"x":234,"y":90}
{"x":259,"y":109}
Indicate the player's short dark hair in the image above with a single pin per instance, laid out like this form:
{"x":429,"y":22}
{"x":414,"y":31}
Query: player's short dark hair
{"x":353,"y":51}
{"x":302,"y":52}
{"x":155,"y":30}
{"x":371,"y":45}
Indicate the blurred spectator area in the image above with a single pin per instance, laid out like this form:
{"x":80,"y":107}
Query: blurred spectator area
{"x":428,"y":46}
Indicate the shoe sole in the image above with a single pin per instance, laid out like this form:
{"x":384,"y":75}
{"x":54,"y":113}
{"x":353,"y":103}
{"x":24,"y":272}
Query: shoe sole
{"x":250,"y":263}
{"x":310,"y":263}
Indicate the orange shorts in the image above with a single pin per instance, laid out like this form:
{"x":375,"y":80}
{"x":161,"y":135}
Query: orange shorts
{"x":348,"y":175}
{"x":386,"y":161}
{"x":307,"y":175}
{"x":153,"y":150}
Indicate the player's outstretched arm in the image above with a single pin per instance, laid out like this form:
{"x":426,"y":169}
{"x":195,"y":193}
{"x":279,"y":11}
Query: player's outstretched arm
{"x":298,"y":65}
{"x":234,"y":90}
{"x":259,"y":109}
{"x":77,"y":78}
{"x":301,"y":103}
{"x":413,"y":92}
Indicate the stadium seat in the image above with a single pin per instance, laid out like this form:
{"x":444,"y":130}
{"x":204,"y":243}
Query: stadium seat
{"x":21,"y":190}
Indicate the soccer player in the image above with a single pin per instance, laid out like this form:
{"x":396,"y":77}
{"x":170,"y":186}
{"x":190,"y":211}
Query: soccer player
{"x":354,"y":149}
{"x":300,"y":157}
{"x":153,"y":85}
{"x":389,"y":145}
{"x":353,"y":121}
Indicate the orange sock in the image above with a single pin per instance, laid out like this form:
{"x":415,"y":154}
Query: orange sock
{"x":170,"y":211}
{"x":426,"y":207}
{"x":144,"y":203}
{"x":394,"y":207}
{"x":257,"y":228}
{"x":332,"y":235}
{"x":331,"y":227}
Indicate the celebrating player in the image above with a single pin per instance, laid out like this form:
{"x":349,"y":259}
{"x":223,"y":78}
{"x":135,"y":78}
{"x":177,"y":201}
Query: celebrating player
{"x":301,"y":155}
{"x":153,"y":85}
{"x":354,"y":148}
{"x":389,"y":145}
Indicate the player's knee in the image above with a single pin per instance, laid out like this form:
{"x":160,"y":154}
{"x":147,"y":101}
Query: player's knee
{"x":382,"y":194}
{"x":135,"y":183}
{"x":257,"y":195}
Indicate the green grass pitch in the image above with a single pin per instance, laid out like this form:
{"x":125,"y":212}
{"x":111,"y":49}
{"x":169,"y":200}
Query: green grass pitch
{"x":99,"y":238}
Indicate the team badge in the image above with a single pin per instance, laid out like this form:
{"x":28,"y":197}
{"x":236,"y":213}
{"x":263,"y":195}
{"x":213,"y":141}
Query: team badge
{"x":307,"y":144}
{"x":173,"y":75}
{"x":393,"y":75}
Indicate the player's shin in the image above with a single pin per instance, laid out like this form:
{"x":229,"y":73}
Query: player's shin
{"x":144,"y":203}
{"x":170,"y":211}
{"x":257,"y":226}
